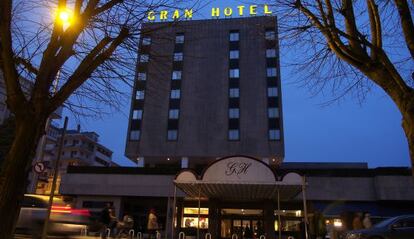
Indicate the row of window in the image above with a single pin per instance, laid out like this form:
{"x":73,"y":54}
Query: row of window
{"x":234,"y":91}
{"x":138,"y":111}
{"x":175,"y":93}
{"x":272,"y":89}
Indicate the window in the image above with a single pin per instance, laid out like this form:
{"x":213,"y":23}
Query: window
{"x":144,"y":58}
{"x":234,"y":73}
{"x":146,"y":41}
{"x":270,"y":35}
{"x":234,"y":134}
{"x":234,"y":54}
{"x":140,"y":95}
{"x":175,"y":94}
{"x":274,"y":134}
{"x":234,"y":36}
{"x":135,"y":135}
{"x":234,"y":113}
{"x":271,"y":72}
{"x":172,"y":134}
{"x":142,"y":76}
{"x":176,"y":75}
{"x":173,"y":114}
{"x":137,"y":114}
{"x":179,"y":38}
{"x":273,"y":113}
{"x":178,"y":56}
{"x":234,"y":93}
{"x":271,"y":53}
{"x":272,"y":92}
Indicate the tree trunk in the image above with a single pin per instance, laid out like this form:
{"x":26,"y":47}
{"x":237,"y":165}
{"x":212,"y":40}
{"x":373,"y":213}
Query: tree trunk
{"x":14,"y":172}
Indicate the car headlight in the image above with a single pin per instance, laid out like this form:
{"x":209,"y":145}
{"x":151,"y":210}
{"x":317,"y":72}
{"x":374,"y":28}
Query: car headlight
{"x":353,"y":235}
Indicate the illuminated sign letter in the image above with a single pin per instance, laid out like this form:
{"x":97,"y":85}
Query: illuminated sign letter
{"x":176,"y":15}
{"x":151,"y":15}
{"x":228,"y":11}
{"x":188,"y":13}
{"x":215,"y":12}
{"x":241,"y":10}
{"x":253,"y":10}
{"x":163,"y":15}
{"x":266,"y":10}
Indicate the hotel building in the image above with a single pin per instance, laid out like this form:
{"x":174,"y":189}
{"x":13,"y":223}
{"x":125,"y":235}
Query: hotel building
{"x":206,"y":132}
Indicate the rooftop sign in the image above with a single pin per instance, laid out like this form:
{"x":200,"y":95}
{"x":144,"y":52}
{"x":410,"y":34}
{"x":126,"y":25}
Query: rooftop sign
{"x":187,"y":14}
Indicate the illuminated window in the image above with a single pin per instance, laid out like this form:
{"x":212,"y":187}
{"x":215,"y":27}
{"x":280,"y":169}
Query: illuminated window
{"x":274,"y":134}
{"x":234,"y":73}
{"x":193,"y":222}
{"x":146,"y":41}
{"x":273,"y":113}
{"x":234,"y":54}
{"x":194,"y":210}
{"x":173,"y":114}
{"x":176,"y":75}
{"x":271,"y":72}
{"x":179,"y":38}
{"x":234,"y":36}
{"x":272,"y":92}
{"x":270,"y":35}
{"x":137,"y":114}
{"x":234,"y":92}
{"x":142,"y":76}
{"x":271,"y":53}
{"x":172,"y":135}
{"x":178,"y":56}
{"x":234,"y":113}
{"x":175,"y":94}
{"x":140,"y":95}
{"x":234,"y":134}
{"x":135,"y":135}
{"x":144,"y":58}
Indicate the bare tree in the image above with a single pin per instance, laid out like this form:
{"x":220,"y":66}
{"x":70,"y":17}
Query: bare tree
{"x":348,"y":46}
{"x":92,"y":57}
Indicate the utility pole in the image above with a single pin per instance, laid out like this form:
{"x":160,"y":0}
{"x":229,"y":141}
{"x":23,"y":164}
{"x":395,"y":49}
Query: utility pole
{"x":55,"y":174}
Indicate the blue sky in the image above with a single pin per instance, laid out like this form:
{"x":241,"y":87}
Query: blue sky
{"x":345,"y":131}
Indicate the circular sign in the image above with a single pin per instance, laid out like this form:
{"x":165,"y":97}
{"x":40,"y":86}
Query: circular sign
{"x":39,"y":167}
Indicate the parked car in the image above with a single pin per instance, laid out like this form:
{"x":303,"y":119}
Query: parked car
{"x":64,"y":220}
{"x":401,"y":227}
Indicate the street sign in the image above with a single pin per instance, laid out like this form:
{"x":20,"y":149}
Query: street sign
{"x":39,"y":167}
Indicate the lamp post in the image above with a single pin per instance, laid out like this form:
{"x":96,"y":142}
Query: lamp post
{"x":63,"y":18}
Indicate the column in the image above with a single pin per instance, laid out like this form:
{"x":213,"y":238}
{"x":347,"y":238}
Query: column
{"x":269,"y":220}
{"x":214,"y":218}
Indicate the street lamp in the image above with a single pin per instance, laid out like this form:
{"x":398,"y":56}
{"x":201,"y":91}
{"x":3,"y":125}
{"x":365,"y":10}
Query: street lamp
{"x":64,"y":16}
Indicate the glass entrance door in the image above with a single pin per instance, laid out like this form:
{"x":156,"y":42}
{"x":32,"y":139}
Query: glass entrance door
{"x":243,"y":223}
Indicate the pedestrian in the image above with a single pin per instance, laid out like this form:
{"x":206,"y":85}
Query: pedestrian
{"x":105,"y":219}
{"x":248,"y":234}
{"x":152,"y":225}
{"x":367,"y":221}
{"x":357,"y":221}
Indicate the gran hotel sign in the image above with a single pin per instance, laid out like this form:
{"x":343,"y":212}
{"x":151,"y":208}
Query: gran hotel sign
{"x":187,"y":14}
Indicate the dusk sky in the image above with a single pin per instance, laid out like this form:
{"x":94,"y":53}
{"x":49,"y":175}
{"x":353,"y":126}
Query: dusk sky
{"x":345,"y":131}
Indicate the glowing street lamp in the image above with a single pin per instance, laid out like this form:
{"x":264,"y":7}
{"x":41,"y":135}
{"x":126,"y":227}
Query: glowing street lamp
{"x":64,"y":16}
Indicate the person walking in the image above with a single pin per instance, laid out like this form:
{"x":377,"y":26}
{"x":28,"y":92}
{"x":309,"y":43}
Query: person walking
{"x":367,"y":221}
{"x":357,"y":222}
{"x":152,"y":225}
{"x":105,"y":219}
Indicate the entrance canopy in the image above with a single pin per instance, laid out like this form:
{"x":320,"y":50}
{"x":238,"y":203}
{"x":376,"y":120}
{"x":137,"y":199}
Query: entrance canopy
{"x":239,"y":178}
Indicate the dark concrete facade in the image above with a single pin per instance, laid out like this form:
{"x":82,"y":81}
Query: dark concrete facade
{"x":203,"y":121}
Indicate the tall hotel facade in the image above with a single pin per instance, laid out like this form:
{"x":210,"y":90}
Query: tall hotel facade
{"x":206,"y":130}
{"x":207,"y":89}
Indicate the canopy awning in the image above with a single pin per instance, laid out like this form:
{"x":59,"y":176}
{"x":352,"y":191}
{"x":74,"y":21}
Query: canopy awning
{"x":239,"y":178}
{"x":243,"y":192}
